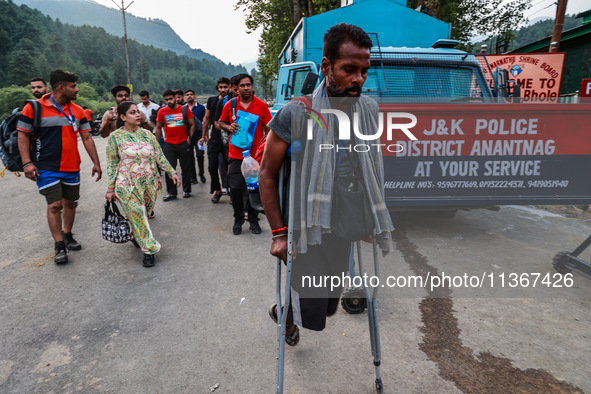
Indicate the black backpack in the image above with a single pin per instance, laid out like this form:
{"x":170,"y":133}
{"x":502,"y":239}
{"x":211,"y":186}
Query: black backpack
{"x":9,"y":153}
{"x":198,"y":126}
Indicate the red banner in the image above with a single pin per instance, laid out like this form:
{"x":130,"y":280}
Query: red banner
{"x":485,"y":154}
{"x":538,"y":74}
{"x":488,"y":130}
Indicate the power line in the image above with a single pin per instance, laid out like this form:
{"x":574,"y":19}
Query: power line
{"x":539,"y":2}
{"x":542,"y":9}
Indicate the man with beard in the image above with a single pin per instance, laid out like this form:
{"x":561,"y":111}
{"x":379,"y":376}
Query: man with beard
{"x":321,"y":249}
{"x":247,"y":102}
{"x":38,"y":87}
{"x":177,"y":137}
{"x":216,"y":158}
{"x":111,"y":121}
{"x":179,"y":97}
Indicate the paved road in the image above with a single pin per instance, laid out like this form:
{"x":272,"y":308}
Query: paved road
{"x":103,"y":323}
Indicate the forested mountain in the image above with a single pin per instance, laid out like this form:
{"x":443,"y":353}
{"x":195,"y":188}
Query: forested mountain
{"x":154,"y":32}
{"x":32,"y":44}
{"x":533,"y":33}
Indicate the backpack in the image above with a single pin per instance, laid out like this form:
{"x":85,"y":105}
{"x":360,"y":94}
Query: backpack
{"x":9,"y":153}
{"x":198,"y":126}
{"x":258,"y":154}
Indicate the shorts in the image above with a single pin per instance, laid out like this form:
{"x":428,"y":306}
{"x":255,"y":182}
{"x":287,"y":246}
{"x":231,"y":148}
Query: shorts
{"x":311,"y":304}
{"x":55,"y":185}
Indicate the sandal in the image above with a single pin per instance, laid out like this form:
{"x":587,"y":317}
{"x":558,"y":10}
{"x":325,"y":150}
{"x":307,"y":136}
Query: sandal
{"x":292,"y":339}
{"x":216,"y":198}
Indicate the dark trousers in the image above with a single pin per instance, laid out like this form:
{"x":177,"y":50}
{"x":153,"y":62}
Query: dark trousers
{"x":216,"y":162}
{"x":239,"y":193}
{"x":182,"y":154}
{"x":330,"y":258}
{"x":200,"y":155}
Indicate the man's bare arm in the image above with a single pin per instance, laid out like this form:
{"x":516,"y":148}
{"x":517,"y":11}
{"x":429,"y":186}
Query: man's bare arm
{"x":145,"y":124}
{"x":273,"y":156}
{"x":191,"y":128}
{"x":105,"y":128}
{"x":205,"y":125}
{"x":24,"y":146}
{"x":158,"y":132}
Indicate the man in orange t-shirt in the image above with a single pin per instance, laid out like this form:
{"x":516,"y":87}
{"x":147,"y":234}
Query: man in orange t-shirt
{"x":56,"y":165}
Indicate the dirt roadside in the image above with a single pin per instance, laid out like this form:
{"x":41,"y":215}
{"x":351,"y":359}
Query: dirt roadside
{"x":570,"y":211}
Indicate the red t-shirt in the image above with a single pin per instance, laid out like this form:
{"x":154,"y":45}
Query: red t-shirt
{"x":256,"y":107}
{"x":175,"y":130}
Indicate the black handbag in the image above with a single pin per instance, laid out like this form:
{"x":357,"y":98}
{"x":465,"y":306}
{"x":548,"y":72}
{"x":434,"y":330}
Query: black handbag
{"x":351,"y":215}
{"x":115,"y":226}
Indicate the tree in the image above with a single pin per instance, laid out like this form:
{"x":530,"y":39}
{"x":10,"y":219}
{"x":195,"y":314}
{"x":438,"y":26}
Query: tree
{"x":277,"y":18}
{"x":33,"y":44}
{"x":119,"y":71}
{"x":21,"y":63}
{"x":87,"y":91}
{"x":12,"y":97}
{"x":476,"y":17}
{"x":143,"y":69}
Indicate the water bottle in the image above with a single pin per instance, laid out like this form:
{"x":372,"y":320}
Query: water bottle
{"x":250,"y":171}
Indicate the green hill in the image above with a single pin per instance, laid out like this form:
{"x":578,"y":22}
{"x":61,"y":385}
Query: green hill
{"x":533,"y":33}
{"x":32,"y":44}
{"x":153,"y":32}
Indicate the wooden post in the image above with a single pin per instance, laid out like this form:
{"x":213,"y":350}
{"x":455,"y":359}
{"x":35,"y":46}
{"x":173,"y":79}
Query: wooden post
{"x":558,"y":26}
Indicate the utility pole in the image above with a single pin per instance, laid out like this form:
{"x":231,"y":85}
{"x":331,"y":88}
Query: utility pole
{"x":558,"y":26}
{"x":123,"y":8}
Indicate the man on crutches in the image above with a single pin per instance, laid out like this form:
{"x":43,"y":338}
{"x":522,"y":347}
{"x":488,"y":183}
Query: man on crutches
{"x":337,"y":196}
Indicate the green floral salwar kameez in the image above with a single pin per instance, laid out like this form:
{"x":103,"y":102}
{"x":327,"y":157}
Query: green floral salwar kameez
{"x":133,"y":159}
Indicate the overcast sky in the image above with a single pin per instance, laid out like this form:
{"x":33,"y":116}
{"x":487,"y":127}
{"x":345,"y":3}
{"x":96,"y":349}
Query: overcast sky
{"x":215,"y":27}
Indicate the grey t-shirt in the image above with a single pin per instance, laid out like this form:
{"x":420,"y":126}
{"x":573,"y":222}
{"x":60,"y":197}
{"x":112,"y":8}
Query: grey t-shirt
{"x":281,"y":124}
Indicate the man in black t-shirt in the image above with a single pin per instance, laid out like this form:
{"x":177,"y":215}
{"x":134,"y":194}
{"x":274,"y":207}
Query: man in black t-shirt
{"x":216,"y":157}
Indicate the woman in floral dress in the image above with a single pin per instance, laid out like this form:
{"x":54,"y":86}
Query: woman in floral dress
{"x":133,"y":156}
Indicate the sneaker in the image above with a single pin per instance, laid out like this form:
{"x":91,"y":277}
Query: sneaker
{"x":237,"y":228}
{"x":255,"y":228}
{"x":61,"y":253}
{"x":149,"y":260}
{"x":70,"y":242}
